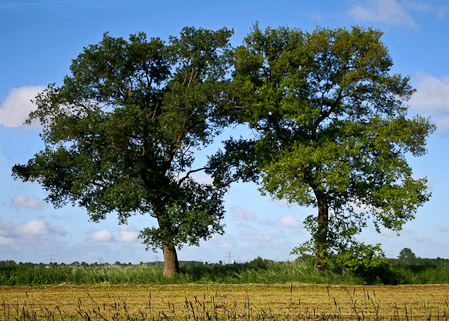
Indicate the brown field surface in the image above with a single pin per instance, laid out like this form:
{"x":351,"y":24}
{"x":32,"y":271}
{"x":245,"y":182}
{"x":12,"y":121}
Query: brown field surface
{"x":224,"y":302}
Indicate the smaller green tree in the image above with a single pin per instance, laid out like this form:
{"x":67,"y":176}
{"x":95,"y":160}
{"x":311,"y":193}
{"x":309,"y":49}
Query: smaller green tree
{"x":406,"y":256}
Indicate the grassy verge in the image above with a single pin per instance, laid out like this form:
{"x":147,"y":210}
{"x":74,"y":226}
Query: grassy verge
{"x":257,"y":271}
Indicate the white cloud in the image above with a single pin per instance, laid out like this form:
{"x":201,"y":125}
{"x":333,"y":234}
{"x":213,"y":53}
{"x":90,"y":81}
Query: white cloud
{"x":439,"y":10}
{"x":288,"y":221}
{"x":432,"y":94}
{"x":226,"y":241}
{"x":203,"y":179}
{"x":418,"y":6}
{"x":283,"y":203}
{"x":6,"y":241}
{"x":28,"y":202}
{"x":128,"y":235}
{"x":388,"y":232}
{"x":435,"y":242}
{"x":442,"y":11}
{"x":432,"y":98}
{"x":5,"y":228}
{"x":225,"y":245}
{"x":442,"y":228}
{"x":417,"y":238}
{"x":386,"y":11}
{"x":408,"y":231}
{"x":29,"y":237}
{"x":57,"y":230}
{"x":358,"y":207}
{"x":16,"y":107}
{"x":243,"y":213}
{"x":32,"y":228}
{"x":256,"y":240}
{"x":200,"y":178}
{"x":100,"y":236}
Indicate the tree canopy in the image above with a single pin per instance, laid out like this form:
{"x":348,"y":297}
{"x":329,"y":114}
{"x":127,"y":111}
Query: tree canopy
{"x":121,"y":133}
{"x":331,"y":131}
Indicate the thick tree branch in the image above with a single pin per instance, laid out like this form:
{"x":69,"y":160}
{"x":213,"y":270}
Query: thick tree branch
{"x":191,"y":172}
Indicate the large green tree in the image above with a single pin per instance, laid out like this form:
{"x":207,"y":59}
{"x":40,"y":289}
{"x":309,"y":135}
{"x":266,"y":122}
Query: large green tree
{"x":331,"y":131}
{"x":121,"y":131}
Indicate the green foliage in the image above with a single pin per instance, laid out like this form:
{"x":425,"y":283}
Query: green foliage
{"x":360,"y":256}
{"x":257,"y":271}
{"x":356,"y":256}
{"x":332,"y":132}
{"x":406,"y":256}
{"x":422,"y":274}
{"x":121,"y":132}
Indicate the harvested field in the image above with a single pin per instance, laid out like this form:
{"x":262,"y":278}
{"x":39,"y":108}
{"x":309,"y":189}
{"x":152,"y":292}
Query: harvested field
{"x":225,"y":302}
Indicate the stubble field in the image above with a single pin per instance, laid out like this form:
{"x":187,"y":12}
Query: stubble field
{"x":290,"y":301}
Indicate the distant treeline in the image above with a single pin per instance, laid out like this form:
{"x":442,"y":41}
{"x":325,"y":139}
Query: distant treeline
{"x":409,"y":259}
{"x":419,"y":261}
{"x":395,"y":271}
{"x":95,"y":264}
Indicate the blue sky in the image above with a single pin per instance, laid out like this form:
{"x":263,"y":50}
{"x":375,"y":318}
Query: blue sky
{"x":39,"y":38}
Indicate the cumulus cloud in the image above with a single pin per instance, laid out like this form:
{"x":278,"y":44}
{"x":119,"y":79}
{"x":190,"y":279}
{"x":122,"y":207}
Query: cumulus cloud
{"x":243,"y":213}
{"x":283,"y":203}
{"x":256,"y":240}
{"x":442,"y":11}
{"x":432,"y":93}
{"x":408,"y":231}
{"x":6,"y":241}
{"x":385,"y":11}
{"x":16,"y":107}
{"x":6,"y":228}
{"x":225,"y":245}
{"x":128,"y":235}
{"x":31,"y":230}
{"x":436,"y":242}
{"x":417,"y":238}
{"x":28,"y":202}
{"x":226,"y":241}
{"x":442,"y":228}
{"x":288,"y":221}
{"x":100,"y":236}
{"x":203,"y":179}
{"x":432,"y":98}
{"x":389,"y":233}
{"x":439,"y":10}
{"x":57,"y":230}
{"x":200,"y":178}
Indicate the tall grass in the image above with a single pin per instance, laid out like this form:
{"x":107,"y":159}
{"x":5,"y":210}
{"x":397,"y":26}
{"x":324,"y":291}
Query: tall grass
{"x":266,"y":272}
{"x":256,"y":271}
{"x":79,"y":275}
{"x":418,"y":274}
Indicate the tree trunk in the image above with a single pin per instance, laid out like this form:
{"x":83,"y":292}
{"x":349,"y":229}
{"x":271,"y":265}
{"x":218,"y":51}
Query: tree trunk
{"x":321,"y":234}
{"x":171,"y":264}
